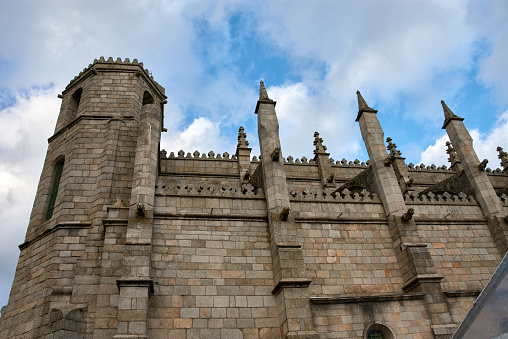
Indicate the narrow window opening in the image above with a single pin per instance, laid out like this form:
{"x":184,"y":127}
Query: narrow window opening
{"x":147,"y":98}
{"x":54,"y":189}
{"x":74,"y":102}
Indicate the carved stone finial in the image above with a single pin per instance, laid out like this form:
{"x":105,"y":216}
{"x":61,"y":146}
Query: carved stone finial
{"x":262,"y":91}
{"x":453,"y":158}
{"x":318,"y":142}
{"x":392,"y":148}
{"x":242,"y":141}
{"x":504,"y":159}
{"x":452,"y":155}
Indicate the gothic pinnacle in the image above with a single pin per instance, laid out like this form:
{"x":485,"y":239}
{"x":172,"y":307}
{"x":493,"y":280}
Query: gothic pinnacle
{"x":362,"y":106}
{"x":262,"y":91}
{"x":392,"y":148}
{"x":361,"y":102}
{"x":448,"y":114}
{"x":447,"y":111}
{"x":242,"y":141}
{"x":503,"y":156}
{"x":318,"y":142}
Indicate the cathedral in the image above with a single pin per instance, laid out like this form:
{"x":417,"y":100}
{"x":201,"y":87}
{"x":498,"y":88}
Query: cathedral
{"x":126,"y":241}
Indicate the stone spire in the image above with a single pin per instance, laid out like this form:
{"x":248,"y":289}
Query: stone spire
{"x":242,"y":141}
{"x":453,"y":158}
{"x":394,"y":152}
{"x":318,"y":142}
{"x":504,"y":159}
{"x":263,"y":97}
{"x":362,"y":106}
{"x":262,"y":91}
{"x":448,"y":114}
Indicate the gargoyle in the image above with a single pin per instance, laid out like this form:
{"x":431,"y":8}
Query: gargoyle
{"x":284,"y":214}
{"x":483,"y":165}
{"x":140,"y":210}
{"x":408,"y":215}
{"x":276,"y":154}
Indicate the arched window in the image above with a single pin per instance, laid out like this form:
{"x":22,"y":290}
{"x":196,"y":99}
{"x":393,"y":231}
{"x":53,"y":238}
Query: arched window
{"x":74,"y":102}
{"x":378,"y":331}
{"x":54,"y":189}
{"x":376,"y":334}
{"x":147,"y":98}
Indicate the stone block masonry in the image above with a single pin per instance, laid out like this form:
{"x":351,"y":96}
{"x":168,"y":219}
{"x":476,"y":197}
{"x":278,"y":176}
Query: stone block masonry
{"x":129,"y":241}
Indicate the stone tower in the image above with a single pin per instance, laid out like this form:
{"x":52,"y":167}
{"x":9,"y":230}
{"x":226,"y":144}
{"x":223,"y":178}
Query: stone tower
{"x":102,"y":159}
{"x":127,"y":241}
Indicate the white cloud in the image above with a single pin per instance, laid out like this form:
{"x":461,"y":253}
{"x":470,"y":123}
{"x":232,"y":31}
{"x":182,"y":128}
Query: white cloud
{"x":24,"y":129}
{"x":202,"y":135}
{"x":485,"y":145}
{"x":301,"y":113}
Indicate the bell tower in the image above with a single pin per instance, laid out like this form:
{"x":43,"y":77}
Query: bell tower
{"x":94,"y":160}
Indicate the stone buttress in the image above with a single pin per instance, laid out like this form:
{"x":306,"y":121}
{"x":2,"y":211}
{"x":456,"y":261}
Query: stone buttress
{"x":477,"y":177}
{"x":291,"y":283}
{"x":414,"y":259}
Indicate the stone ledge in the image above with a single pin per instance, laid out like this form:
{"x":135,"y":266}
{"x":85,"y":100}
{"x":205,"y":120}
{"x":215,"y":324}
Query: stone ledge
{"x":62,"y":225}
{"x":366,"y":298}
{"x":443,"y":331}
{"x":114,"y":222}
{"x":422,"y":278}
{"x":210,"y":216}
{"x":462,"y":293}
{"x":291,"y":283}
{"x":87,"y":117}
{"x":450,"y":220}
{"x":339,"y":220}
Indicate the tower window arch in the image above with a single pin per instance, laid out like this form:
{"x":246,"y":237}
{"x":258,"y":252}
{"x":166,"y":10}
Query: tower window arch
{"x":54,"y":189}
{"x":147,"y":98}
{"x":378,"y":331}
{"x":74,"y":102}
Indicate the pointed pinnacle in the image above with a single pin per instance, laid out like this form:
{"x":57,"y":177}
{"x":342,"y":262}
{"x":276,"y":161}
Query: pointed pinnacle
{"x":447,"y":111}
{"x":448,"y":114}
{"x":262,"y":91}
{"x":362,"y":105}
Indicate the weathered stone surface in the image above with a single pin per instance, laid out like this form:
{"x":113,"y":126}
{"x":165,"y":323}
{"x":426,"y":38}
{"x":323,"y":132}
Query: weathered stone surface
{"x":146,"y":244}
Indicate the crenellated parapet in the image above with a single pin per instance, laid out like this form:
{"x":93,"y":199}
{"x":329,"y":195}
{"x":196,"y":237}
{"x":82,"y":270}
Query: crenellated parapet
{"x":194,"y":190}
{"x":344,"y":196}
{"x":445,"y":198}
{"x":196,"y":155}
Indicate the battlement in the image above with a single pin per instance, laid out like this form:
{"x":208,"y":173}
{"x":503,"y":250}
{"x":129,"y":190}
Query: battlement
{"x":110,"y":65}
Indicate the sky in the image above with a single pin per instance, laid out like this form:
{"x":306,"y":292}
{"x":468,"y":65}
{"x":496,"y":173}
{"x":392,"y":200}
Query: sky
{"x":403,"y":55}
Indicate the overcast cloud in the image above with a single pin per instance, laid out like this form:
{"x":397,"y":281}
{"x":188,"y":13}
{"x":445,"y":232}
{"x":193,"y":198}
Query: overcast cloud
{"x":404,"y":56}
